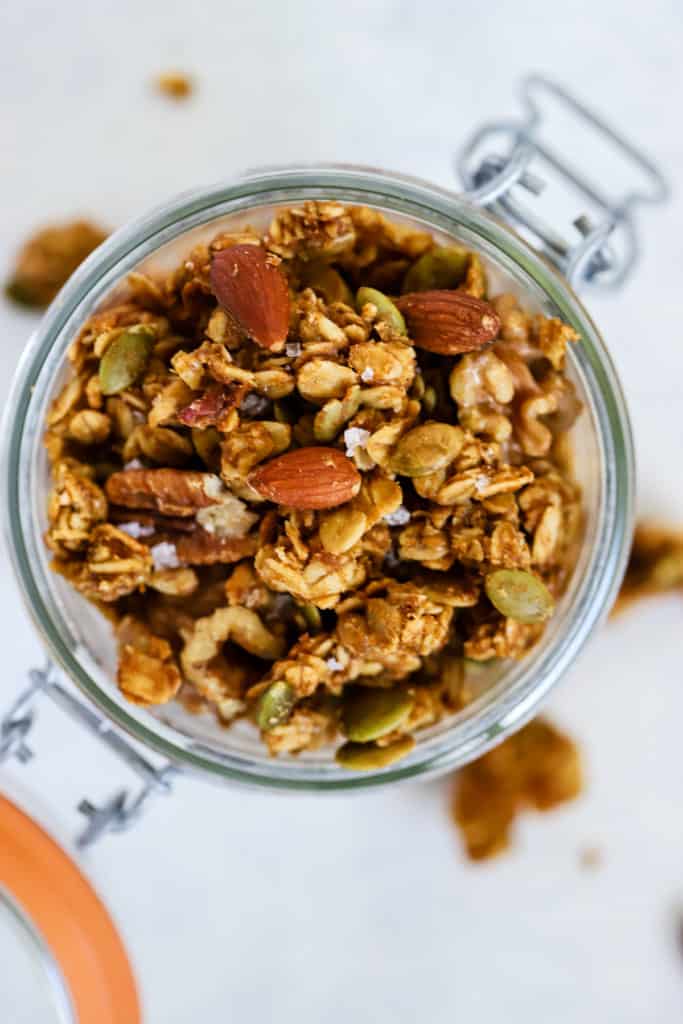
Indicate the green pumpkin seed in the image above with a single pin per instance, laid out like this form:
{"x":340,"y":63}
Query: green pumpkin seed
{"x":369,"y":713}
{"x":426,"y":449}
{"x":519,"y":595}
{"x":327,"y":281}
{"x":386,"y":310}
{"x":312,"y":617}
{"x":284,"y":411}
{"x":125,"y":359}
{"x":429,"y":399}
{"x":442,"y":267}
{"x":366,"y":757}
{"x":275,"y":705}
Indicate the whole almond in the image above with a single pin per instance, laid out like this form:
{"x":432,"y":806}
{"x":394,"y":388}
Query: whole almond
{"x":308,"y":478}
{"x":448,"y":322}
{"x":248,"y":283}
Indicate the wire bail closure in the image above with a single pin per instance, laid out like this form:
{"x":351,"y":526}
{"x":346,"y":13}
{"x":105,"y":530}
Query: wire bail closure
{"x":490,"y":179}
{"x":123,"y":808}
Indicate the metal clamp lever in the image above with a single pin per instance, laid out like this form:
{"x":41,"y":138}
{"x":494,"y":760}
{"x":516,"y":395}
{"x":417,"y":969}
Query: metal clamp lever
{"x":123,"y":808}
{"x":490,"y":179}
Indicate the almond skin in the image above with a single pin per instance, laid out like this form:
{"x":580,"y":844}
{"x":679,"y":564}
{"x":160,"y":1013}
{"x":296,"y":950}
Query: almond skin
{"x":251,"y":287}
{"x":448,"y":322}
{"x":308,"y":478}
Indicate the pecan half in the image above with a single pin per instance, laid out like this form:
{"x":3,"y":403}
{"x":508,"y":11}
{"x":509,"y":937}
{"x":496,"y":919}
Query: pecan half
{"x":173,"y":492}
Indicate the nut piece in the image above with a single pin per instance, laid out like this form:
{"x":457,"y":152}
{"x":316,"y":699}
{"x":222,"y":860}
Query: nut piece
{"x":173,"y":492}
{"x":448,"y":322}
{"x":248,"y":284}
{"x":308,"y":478}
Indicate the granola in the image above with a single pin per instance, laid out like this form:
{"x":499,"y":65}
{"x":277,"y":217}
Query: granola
{"x":305,"y":508}
{"x":175,"y":84}
{"x":538,"y":767}
{"x":655,"y":564}
{"x":48,"y":258}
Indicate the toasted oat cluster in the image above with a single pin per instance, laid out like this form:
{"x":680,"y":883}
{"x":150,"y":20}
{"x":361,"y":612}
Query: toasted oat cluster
{"x":48,"y":259}
{"x":539,"y":767}
{"x":655,"y":565}
{"x":312,"y":473}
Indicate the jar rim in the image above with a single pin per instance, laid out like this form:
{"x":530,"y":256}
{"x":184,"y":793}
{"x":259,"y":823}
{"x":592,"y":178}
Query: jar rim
{"x":466,"y":738}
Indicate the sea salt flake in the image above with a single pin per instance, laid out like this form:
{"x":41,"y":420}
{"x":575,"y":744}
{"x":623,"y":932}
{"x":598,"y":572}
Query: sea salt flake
{"x":399,"y":517}
{"x":367,"y":375}
{"x":164,"y":556}
{"x":293,"y":349}
{"x":254,"y":404}
{"x":334,"y":664}
{"x":354,"y":438}
{"x":134,"y":464}
{"x":136,"y":530}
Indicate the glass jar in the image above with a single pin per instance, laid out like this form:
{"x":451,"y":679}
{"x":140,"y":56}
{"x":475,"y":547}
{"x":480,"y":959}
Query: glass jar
{"x":79,"y":639}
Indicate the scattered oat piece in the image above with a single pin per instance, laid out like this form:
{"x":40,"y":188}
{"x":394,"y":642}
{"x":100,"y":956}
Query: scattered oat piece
{"x":537,"y":767}
{"x":175,"y":84}
{"x":655,"y":565}
{"x":48,"y":259}
{"x":590,"y":858}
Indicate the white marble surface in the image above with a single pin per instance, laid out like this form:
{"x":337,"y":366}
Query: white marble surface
{"x":242,"y":906}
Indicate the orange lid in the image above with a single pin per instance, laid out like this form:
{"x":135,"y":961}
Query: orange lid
{"x":71,"y":919}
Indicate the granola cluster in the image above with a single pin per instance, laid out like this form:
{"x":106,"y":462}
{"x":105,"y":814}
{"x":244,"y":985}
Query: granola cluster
{"x":539,"y":767}
{"x":311,"y":473}
{"x":48,"y":259}
{"x":655,"y":564}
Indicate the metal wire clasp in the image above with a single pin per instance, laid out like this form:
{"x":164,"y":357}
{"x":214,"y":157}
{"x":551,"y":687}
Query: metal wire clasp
{"x":604,"y":252}
{"x":123,"y":808}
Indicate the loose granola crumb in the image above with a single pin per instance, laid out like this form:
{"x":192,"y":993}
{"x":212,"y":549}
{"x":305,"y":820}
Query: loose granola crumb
{"x":175,"y":84}
{"x":590,"y":858}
